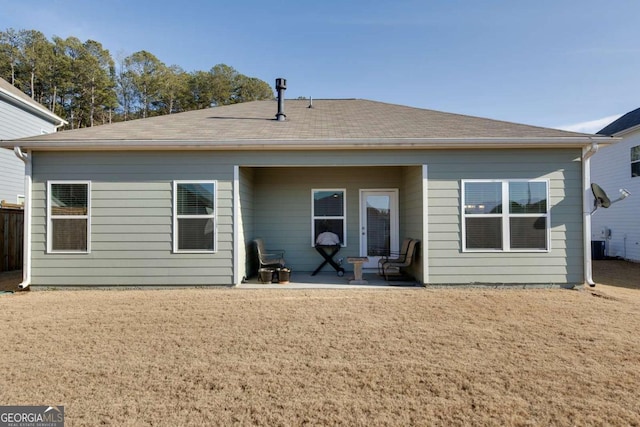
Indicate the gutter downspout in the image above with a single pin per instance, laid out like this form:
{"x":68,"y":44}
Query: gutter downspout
{"x":586,"y":210}
{"x":26,"y":255}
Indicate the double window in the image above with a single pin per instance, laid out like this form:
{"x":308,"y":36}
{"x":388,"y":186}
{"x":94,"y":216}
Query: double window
{"x":635,"y":161}
{"x":68,"y":216}
{"x":505,"y":215}
{"x":328,"y":210}
{"x":194,"y":216}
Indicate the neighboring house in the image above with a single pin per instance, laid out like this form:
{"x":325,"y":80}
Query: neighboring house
{"x":178,"y":199}
{"x":613,"y":168}
{"x":20,"y":116}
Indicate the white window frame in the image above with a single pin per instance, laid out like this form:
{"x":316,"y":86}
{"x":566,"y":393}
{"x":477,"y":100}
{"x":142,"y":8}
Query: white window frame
{"x":633,"y":161}
{"x":51,"y":217}
{"x":213,"y":217}
{"x":343,"y":217}
{"x":505,"y":215}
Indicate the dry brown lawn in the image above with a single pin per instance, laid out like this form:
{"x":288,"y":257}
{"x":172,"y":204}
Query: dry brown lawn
{"x":327,"y":357}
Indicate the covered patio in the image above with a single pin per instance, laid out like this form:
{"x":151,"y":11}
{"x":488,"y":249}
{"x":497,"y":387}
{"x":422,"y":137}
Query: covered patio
{"x":279,"y":204}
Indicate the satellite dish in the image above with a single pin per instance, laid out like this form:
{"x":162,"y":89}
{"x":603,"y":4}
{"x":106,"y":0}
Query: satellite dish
{"x":601,"y":197}
{"x":602,"y":200}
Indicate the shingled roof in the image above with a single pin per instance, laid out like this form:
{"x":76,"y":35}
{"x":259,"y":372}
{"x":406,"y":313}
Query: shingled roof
{"x":341,"y":121}
{"x":627,"y":121}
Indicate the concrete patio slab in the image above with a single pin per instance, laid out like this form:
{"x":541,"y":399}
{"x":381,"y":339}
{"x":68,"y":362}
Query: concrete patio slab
{"x":328,"y":280}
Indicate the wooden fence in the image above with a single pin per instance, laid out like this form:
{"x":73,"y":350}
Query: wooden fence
{"x":11,"y":238}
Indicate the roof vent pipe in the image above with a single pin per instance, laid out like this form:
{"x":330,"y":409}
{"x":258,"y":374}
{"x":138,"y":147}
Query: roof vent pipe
{"x":281,"y":86}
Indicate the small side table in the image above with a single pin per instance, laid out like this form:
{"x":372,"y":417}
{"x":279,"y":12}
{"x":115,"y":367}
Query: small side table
{"x":357,"y":262}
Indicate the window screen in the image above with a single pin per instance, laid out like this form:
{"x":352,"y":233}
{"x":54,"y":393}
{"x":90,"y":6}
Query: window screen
{"x":491,"y":224}
{"x":328,"y":212}
{"x":195,"y":219}
{"x":68,"y":216}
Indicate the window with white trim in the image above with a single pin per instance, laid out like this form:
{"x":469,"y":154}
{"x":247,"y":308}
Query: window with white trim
{"x":329,"y":213}
{"x":68,"y":212}
{"x":505,"y":215}
{"x":194,"y":216}
{"x":635,"y":161}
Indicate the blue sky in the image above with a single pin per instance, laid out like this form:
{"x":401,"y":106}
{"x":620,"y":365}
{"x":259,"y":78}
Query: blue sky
{"x":556,"y":63}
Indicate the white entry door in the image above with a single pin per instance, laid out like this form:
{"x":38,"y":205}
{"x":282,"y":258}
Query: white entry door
{"x":378,"y":224}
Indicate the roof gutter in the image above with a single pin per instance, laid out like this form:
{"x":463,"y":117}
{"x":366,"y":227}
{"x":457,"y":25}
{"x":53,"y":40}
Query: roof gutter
{"x":586,"y":211}
{"x":26,"y":256}
{"x":309,"y":144}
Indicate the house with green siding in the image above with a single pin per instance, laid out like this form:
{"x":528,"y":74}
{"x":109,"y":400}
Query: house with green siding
{"x":177,"y":200}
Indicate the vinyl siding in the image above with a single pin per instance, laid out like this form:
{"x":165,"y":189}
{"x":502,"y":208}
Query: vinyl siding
{"x":247,"y":259}
{"x":611,"y":169}
{"x":16,"y":123}
{"x":562,"y":264}
{"x":11,"y":176}
{"x":412,"y":209}
{"x":283,"y":207}
{"x":132,"y":206}
{"x":131,"y":221}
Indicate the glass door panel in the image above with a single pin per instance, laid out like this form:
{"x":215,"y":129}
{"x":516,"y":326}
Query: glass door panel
{"x":378,"y":224}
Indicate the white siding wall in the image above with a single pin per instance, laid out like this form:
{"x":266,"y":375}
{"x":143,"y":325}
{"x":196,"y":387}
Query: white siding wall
{"x":611,"y":169}
{"x":16,"y":123}
{"x":11,"y":176}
